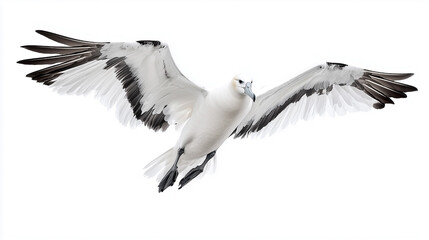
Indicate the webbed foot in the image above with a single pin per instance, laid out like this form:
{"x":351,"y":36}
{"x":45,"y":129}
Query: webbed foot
{"x":193,"y":173}
{"x":168,"y":180}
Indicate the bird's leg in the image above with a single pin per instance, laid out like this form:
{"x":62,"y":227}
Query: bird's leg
{"x":169,"y":178}
{"x":194,"y":172}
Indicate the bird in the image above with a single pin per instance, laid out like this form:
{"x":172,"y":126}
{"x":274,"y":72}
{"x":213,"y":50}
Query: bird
{"x":141,"y":80}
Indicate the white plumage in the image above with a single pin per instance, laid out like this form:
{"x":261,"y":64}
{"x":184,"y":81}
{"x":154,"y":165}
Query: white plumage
{"x":145,"y":86}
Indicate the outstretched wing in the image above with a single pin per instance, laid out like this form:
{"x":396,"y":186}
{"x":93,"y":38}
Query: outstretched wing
{"x":335,"y":88}
{"x":140,"y":78}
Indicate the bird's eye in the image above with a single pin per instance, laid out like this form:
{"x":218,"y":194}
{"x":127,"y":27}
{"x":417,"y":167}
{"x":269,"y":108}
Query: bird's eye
{"x":240,"y":81}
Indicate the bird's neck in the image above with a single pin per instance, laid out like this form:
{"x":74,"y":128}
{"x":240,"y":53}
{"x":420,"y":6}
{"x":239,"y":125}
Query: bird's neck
{"x":227,"y":98}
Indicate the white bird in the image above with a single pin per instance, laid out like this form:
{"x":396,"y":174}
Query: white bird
{"x":142,"y":81}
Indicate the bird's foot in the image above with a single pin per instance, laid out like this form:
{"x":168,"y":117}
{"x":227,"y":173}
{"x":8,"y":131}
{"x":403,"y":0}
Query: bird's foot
{"x":168,"y":180}
{"x":193,"y":173}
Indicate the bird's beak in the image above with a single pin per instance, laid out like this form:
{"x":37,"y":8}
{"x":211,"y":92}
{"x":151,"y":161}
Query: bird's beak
{"x":248,"y":91}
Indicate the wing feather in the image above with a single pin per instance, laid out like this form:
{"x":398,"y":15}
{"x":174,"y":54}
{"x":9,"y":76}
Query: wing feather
{"x":58,"y":49}
{"x":332,"y":88}
{"x":67,"y":40}
{"x":140,"y":79}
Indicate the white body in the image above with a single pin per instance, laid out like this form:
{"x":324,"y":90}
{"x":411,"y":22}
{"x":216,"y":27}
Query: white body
{"x":213,"y":121}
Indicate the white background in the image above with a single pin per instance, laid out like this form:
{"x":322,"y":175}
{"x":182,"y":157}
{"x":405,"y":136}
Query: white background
{"x":70,"y":170}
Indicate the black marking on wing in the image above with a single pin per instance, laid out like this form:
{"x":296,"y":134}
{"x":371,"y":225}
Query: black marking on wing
{"x":383,"y":86}
{"x":113,"y":62}
{"x":339,"y":65}
{"x":155,"y":121}
{"x":271,"y":115}
{"x":151,"y":42}
{"x":380,"y":86}
{"x":130,"y":83}
{"x":165,"y":70}
{"x":77,"y":52}
{"x":56,"y":59}
{"x":58,"y":49}
{"x":68,"y":40}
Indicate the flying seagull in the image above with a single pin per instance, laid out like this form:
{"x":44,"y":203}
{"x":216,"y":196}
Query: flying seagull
{"x":142,"y":81}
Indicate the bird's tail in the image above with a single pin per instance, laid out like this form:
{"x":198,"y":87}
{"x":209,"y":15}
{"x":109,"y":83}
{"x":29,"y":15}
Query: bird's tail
{"x":160,"y":165}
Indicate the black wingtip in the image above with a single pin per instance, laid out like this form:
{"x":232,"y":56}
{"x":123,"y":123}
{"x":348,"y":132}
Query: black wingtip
{"x":42,"y":32}
{"x":390,"y":76}
{"x":412,"y":89}
{"x":378,"y":105}
{"x":29,"y":47}
{"x":407,"y":75}
{"x":66,"y":40}
{"x":402,"y":76}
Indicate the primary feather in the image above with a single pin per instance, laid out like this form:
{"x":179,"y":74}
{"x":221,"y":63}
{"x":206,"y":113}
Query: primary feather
{"x":139,"y":78}
{"x":332,"y":87}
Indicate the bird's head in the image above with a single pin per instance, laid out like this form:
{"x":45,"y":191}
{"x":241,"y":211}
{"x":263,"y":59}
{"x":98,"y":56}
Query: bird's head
{"x":243,"y":86}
